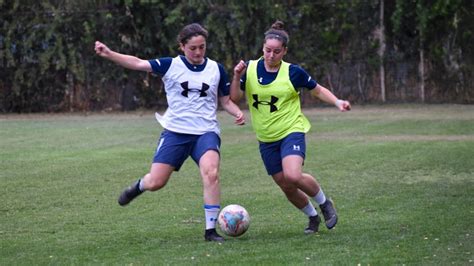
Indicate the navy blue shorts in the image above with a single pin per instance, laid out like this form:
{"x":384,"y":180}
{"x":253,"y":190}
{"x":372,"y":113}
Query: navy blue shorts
{"x":273,"y":152}
{"x":174,"y":148}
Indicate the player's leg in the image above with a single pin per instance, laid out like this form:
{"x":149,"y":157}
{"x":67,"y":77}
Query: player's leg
{"x":170,"y":154}
{"x":310,"y":187}
{"x":156,"y":179}
{"x":306,"y":184}
{"x":206,"y":155}
{"x":271,"y":156}
{"x":300,"y":200}
{"x":209,"y":168}
{"x":293,"y":149}
{"x":292,"y":170}
{"x":291,"y":191}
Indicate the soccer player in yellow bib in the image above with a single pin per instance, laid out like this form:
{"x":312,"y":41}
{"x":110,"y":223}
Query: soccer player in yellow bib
{"x":270,"y":84}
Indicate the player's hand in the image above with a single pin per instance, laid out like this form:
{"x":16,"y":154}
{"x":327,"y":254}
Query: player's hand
{"x":240,"y":68}
{"x":240,"y":119}
{"x":101,"y":49}
{"x":343,"y":106}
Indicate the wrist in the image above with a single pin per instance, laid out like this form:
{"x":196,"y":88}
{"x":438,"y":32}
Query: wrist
{"x":339,"y":103}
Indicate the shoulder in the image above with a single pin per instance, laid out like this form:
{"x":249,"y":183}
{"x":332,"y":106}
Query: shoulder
{"x":161,"y":65}
{"x":215,"y":66}
{"x":300,"y":78}
{"x":294,"y":68}
{"x":221,"y":67}
{"x":222,"y":71}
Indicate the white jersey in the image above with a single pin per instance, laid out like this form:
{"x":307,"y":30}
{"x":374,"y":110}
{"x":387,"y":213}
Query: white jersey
{"x":192,"y":98}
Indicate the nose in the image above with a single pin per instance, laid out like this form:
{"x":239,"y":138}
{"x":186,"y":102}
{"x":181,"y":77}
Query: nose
{"x":199,"y":51}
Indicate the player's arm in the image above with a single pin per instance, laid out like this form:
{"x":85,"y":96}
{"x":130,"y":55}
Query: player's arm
{"x":225,"y":100}
{"x":301,"y":79}
{"x":235,"y":92}
{"x":327,"y":96}
{"x":231,"y":108}
{"x":127,"y":61}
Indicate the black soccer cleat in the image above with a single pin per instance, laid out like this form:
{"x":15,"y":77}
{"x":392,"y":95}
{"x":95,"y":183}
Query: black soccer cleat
{"x":212,"y":235}
{"x":129,"y":194}
{"x":313,"y":225}
{"x":329,"y":213}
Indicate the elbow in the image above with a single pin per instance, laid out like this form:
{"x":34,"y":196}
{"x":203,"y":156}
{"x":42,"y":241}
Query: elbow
{"x":235,"y":96}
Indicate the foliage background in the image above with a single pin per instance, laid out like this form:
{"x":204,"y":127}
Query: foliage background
{"x":47,"y":61}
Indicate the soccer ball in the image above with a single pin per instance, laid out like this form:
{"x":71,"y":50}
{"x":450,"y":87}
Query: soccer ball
{"x":233,"y":220}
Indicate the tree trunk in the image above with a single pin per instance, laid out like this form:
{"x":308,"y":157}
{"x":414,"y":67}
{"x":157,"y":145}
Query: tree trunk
{"x":421,"y":69}
{"x":381,"y":52}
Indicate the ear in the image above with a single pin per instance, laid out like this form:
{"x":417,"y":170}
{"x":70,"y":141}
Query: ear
{"x":286,"y":50}
{"x":181,"y":47}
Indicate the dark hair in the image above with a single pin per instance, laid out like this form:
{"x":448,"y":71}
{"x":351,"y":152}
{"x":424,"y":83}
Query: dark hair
{"x":276,"y":31}
{"x":191,"y":30}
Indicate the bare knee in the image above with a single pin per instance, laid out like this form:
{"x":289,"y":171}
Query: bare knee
{"x":292,"y":177}
{"x":157,"y":177}
{"x":210,"y":176}
{"x":153,"y":183}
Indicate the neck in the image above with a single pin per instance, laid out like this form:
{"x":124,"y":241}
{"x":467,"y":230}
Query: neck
{"x":195,"y":63}
{"x":272,"y":68}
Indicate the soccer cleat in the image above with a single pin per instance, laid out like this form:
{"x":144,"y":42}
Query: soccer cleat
{"x":329,"y":213}
{"x":129,"y":194}
{"x":212,"y":235}
{"x":313,"y":225}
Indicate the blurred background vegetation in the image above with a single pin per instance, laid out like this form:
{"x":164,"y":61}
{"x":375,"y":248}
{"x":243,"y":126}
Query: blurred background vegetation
{"x":367,"y":51}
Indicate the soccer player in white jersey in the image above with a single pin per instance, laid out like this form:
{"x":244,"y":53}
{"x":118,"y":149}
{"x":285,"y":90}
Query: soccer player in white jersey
{"x":194,"y":84}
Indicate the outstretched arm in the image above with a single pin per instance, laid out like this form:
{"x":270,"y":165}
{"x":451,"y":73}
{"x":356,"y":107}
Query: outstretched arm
{"x":127,"y":61}
{"x":231,"y":108}
{"x":327,"y":96}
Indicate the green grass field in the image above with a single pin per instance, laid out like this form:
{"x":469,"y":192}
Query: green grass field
{"x":401,"y":176}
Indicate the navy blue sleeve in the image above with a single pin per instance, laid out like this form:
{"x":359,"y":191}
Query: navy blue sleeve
{"x":161,"y":65}
{"x":224,"y":85}
{"x":300,"y":78}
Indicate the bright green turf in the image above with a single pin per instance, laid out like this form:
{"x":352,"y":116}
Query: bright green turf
{"x":402,"y":178}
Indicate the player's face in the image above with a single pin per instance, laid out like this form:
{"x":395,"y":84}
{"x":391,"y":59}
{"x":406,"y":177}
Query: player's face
{"x":273,"y":52}
{"x":195,"y":49}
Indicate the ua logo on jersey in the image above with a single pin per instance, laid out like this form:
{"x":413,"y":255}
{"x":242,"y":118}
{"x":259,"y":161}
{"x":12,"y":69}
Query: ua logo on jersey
{"x":186,"y":89}
{"x":271,"y":103}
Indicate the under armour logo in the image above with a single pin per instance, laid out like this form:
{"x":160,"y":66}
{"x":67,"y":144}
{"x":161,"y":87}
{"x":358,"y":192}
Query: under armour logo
{"x":186,"y":89}
{"x":296,"y":147}
{"x":271,"y":103}
{"x":260,"y":80}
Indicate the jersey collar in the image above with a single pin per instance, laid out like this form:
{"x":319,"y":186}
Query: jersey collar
{"x":195,"y":68}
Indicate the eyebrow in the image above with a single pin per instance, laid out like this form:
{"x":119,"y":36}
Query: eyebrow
{"x":276,"y":49}
{"x":201,"y":45}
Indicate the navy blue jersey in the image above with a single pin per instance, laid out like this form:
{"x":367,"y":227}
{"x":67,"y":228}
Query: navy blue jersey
{"x":298,"y":76}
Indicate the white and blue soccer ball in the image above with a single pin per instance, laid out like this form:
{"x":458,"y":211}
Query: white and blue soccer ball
{"x":233,"y":220}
